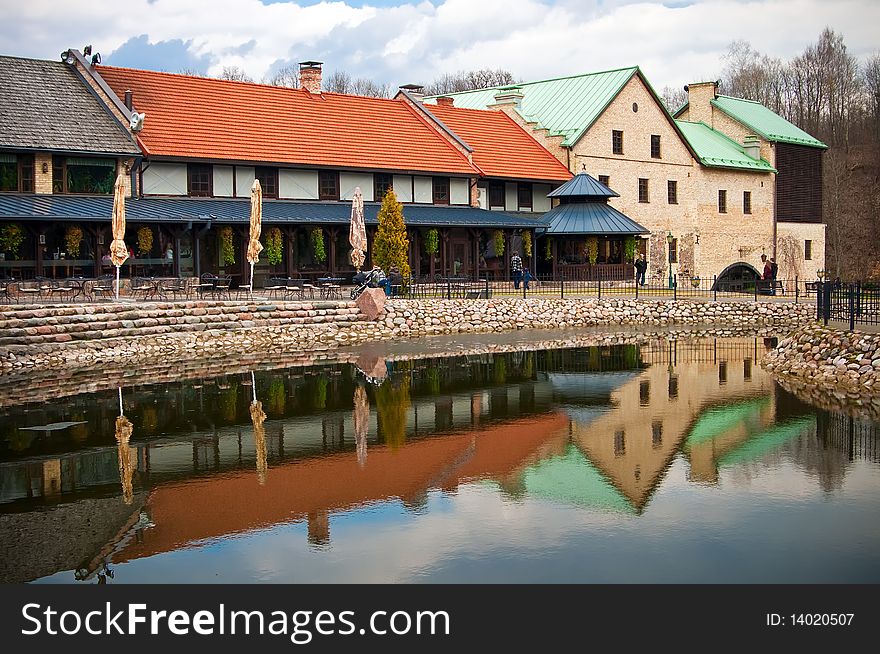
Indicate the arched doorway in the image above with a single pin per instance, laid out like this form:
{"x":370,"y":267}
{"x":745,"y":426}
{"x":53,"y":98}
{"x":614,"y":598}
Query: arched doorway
{"x":737,"y":277}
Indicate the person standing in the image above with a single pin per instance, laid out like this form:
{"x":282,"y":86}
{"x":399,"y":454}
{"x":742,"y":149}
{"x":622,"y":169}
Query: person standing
{"x":641,"y":266}
{"x":516,"y":269}
{"x":774,"y":270}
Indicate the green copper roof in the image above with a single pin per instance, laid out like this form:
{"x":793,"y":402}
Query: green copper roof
{"x":714,"y":149}
{"x":566,"y":106}
{"x":767,"y":441}
{"x":718,"y":421}
{"x":572,"y":479}
{"x":766,"y":123}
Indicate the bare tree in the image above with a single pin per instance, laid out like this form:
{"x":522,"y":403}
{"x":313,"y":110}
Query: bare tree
{"x":673,"y":98}
{"x":235,"y":74}
{"x":342,"y":82}
{"x":287,"y":76}
{"x":469,"y":80}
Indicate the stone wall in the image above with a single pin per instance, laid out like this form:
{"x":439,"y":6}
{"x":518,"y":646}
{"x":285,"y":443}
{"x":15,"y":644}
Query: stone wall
{"x":103,"y":334}
{"x":830,"y":368}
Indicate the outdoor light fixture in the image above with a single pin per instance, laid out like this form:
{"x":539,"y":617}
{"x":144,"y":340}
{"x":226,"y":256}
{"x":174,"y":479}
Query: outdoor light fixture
{"x":67,"y":57}
{"x":87,"y":50}
{"x":96,"y":58}
{"x":45,"y":167}
{"x":101,"y":238}
{"x":669,"y":239}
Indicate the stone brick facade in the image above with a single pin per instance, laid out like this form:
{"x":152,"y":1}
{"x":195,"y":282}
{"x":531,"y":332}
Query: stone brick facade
{"x":708,"y":241}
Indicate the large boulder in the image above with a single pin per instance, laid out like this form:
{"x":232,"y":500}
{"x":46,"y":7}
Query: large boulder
{"x":372,"y":303}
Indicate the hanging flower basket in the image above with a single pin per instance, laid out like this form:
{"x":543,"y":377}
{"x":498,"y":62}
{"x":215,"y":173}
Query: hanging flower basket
{"x":527,"y":244}
{"x":432,"y":242}
{"x":498,"y":239}
{"x":11,"y":239}
{"x":73,"y":239}
{"x":274,"y":246}
{"x":227,"y":249}
{"x":145,"y":241}
{"x":318,"y":245}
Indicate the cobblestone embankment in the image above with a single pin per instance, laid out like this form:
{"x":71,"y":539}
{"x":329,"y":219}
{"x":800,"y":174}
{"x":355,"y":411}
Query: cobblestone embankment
{"x":83,"y":335}
{"x":830,"y":368}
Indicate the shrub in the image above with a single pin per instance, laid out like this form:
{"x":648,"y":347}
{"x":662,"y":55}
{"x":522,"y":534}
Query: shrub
{"x":391,"y":247}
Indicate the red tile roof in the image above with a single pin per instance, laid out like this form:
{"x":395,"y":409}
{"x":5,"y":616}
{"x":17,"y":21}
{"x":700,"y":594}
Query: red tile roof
{"x":501,"y":147}
{"x":208,"y":118}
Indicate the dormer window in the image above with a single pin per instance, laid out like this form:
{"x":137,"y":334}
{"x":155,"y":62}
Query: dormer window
{"x":268,"y":181}
{"x":200,"y":179}
{"x":328,"y":185}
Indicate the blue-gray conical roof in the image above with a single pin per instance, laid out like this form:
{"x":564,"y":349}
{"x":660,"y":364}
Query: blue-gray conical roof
{"x":583,"y":185}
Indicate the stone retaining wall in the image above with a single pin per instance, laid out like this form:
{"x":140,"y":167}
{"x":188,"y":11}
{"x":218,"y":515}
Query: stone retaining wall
{"x":85,"y":335}
{"x":830,"y":368}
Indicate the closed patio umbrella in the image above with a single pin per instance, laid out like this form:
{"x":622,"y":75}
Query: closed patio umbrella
{"x":118,"y":251}
{"x":357,"y":230}
{"x":254,"y":246}
{"x":124,"y":429}
{"x":258,"y":417}
{"x":361,"y":419}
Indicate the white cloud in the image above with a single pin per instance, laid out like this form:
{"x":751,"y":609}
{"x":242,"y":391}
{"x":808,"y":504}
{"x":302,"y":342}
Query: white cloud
{"x":672,"y":42}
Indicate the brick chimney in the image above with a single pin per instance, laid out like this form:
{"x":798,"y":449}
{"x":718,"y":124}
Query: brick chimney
{"x":310,"y":76}
{"x":752,"y":146}
{"x":700,"y":94}
{"x":507,"y":98}
{"x":446,"y":101}
{"x":416,"y":91}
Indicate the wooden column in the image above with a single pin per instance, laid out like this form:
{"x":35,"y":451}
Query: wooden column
{"x":444,"y":257}
{"x":554,"y":249}
{"x":289,"y":236}
{"x":332,"y":233}
{"x":507,"y":243}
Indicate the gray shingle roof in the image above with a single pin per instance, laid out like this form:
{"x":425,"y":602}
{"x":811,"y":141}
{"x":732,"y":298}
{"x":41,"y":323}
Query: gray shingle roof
{"x":45,"y":106}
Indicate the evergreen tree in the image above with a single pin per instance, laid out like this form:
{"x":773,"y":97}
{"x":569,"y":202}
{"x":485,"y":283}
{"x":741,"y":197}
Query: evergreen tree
{"x":391,"y":246}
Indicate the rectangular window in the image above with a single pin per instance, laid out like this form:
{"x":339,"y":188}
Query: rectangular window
{"x":605,"y":179}
{"x":722,"y":201}
{"x":808,"y":250}
{"x":268,"y":181}
{"x":616,"y":141}
{"x":496,"y":194}
{"x":722,"y":372}
{"x":619,"y":443}
{"x":673,"y":251}
{"x":672,"y":391}
{"x":199,"y":180}
{"x":328,"y":185}
{"x":644,"y":393}
{"x":672,"y":191}
{"x":656,"y":433}
{"x":524,"y":196}
{"x":655,"y":146}
{"x":643,"y":190}
{"x":441,"y":190}
{"x":747,"y":369}
{"x":16,"y":173}
{"x":747,"y":202}
{"x":382,"y":183}
{"x":83,"y":175}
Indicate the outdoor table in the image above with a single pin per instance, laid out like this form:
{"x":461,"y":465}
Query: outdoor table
{"x":330,"y":286}
{"x":78,"y":284}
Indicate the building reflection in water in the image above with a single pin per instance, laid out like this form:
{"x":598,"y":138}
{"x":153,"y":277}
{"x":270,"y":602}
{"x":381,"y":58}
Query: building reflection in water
{"x":593,"y":427}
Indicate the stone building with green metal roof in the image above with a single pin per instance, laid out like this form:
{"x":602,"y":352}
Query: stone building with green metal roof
{"x":706,"y":193}
{"x":798,"y":229}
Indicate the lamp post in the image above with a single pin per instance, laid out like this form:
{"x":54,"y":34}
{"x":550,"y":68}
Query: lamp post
{"x":669,"y":240}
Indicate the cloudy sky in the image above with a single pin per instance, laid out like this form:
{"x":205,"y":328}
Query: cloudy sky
{"x":402,"y":42}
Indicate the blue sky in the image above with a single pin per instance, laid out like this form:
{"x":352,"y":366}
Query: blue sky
{"x":397,"y":42}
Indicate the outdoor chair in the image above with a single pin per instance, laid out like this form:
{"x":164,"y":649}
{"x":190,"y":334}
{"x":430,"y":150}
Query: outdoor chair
{"x":206,"y":285}
{"x":144,"y":287}
{"x":275,"y":285}
{"x":61,"y":290}
{"x":307,"y":288}
{"x":173,"y":287}
{"x":222,"y":285}
{"x":294,"y":289}
{"x":104,"y":286}
{"x":30,"y":289}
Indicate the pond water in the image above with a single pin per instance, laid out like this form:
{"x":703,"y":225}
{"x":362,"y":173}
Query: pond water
{"x":663,"y":461}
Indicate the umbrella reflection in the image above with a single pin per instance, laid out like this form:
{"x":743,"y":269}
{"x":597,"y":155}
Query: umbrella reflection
{"x":258,"y":417}
{"x":361,"y":418}
{"x":124,"y":430}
